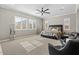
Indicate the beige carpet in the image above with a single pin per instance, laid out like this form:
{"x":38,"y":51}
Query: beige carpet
{"x":28,"y":45}
{"x":31,"y":45}
{"x":1,"y":53}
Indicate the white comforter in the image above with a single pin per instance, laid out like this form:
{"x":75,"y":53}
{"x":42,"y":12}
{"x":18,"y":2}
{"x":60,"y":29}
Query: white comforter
{"x":49,"y":33}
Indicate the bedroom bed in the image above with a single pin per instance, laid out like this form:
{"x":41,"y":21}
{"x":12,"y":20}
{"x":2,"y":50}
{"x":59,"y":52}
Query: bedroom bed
{"x":54,"y":32}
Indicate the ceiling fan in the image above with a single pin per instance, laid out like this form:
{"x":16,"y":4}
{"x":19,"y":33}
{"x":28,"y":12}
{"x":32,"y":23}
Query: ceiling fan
{"x":42,"y":11}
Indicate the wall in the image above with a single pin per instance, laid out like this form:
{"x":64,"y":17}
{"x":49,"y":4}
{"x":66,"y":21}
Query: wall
{"x":77,"y":21}
{"x":7,"y":18}
{"x":60,"y":20}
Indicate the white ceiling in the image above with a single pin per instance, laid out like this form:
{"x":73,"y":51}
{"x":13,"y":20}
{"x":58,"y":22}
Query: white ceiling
{"x":55,"y":9}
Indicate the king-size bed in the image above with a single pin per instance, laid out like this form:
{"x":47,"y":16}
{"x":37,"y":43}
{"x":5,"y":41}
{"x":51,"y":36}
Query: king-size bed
{"x":54,"y":32}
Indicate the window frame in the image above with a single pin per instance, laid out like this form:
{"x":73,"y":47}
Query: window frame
{"x":27,"y":21}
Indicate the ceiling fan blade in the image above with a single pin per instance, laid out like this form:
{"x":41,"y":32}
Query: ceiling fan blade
{"x":46,"y":10}
{"x":38,"y":10}
{"x":42,"y":8}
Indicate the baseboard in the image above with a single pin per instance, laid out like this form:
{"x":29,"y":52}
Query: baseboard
{"x":18,"y":37}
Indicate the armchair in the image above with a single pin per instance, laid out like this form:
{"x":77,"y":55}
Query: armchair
{"x":71,"y":48}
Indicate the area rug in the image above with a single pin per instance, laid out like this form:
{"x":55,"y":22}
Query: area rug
{"x":31,"y":45}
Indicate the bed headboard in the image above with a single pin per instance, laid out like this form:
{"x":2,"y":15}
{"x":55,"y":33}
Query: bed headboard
{"x":59,"y":27}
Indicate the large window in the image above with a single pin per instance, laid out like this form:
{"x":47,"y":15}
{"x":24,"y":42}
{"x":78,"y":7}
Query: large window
{"x":22,"y":23}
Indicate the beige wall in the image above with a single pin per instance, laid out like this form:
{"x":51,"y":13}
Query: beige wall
{"x":77,"y":21}
{"x":60,"y":20}
{"x":7,"y":18}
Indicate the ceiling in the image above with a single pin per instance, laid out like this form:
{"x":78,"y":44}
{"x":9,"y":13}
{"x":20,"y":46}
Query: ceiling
{"x":55,"y":9}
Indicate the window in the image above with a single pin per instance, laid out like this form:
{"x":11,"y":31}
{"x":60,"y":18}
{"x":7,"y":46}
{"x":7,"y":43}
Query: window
{"x":18,"y":22}
{"x":24,"y":23}
{"x":46,"y":24}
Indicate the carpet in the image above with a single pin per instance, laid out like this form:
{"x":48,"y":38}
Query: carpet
{"x":30,"y":45}
{"x":1,"y":53}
